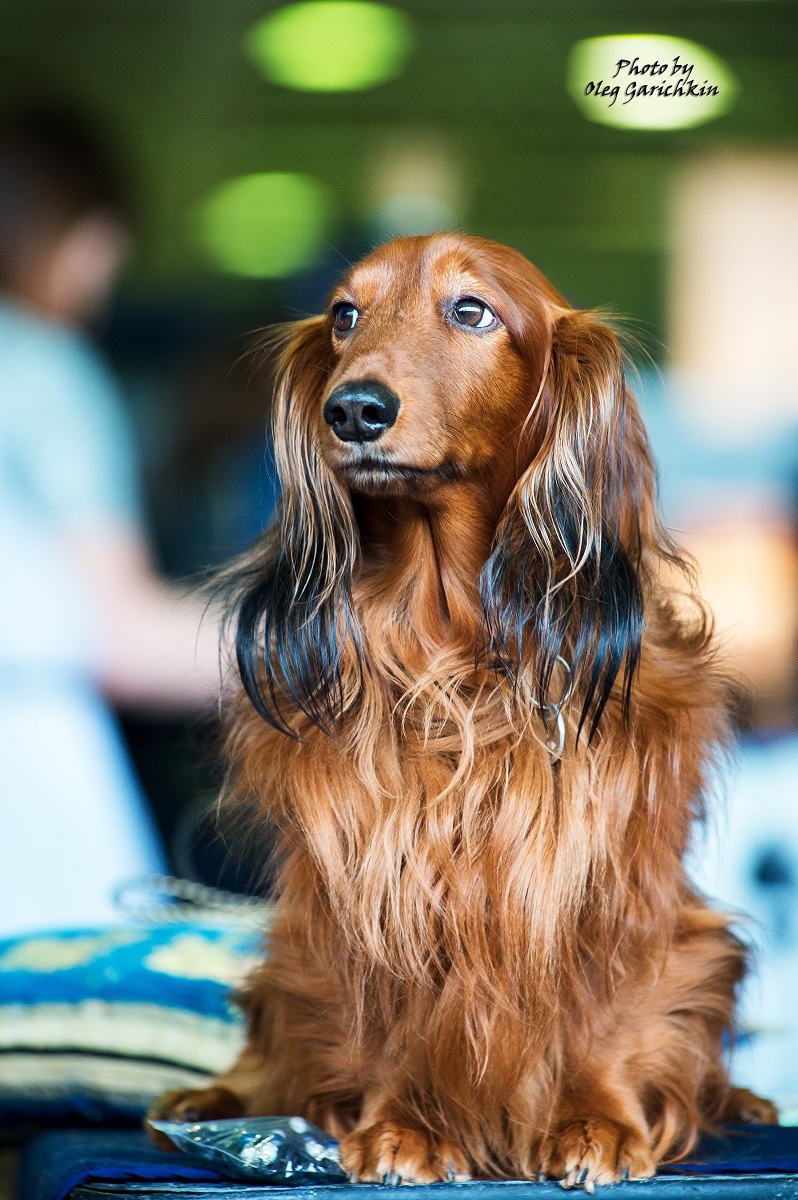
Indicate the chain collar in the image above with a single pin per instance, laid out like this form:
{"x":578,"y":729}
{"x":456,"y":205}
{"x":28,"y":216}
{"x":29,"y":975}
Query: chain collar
{"x":551,"y":715}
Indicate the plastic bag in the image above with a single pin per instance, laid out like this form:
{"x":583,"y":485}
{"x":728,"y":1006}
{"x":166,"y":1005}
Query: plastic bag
{"x":268,"y":1149}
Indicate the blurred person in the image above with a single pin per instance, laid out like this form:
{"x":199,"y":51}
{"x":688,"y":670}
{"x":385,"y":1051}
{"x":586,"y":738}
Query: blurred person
{"x":723,"y":419}
{"x":84,"y":619}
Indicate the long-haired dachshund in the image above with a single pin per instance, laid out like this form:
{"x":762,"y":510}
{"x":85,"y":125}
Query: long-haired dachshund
{"x":482,"y":719}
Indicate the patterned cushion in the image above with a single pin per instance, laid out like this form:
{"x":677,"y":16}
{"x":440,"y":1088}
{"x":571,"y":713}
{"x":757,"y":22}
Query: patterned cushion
{"x":94,"y":1024}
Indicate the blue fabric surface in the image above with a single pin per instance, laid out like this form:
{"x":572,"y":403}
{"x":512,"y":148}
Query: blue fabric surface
{"x":743,"y":1149}
{"x":56,"y":1162}
{"x":20,"y":1114}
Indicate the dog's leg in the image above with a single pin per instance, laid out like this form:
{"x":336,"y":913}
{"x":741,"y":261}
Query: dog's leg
{"x":599,"y":1136}
{"x":389,"y":1148}
{"x":678,"y":1048}
{"x":743,"y":1108}
{"x":295,"y":1063}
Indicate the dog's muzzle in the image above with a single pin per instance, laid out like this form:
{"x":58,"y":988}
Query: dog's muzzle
{"x":361,"y":411}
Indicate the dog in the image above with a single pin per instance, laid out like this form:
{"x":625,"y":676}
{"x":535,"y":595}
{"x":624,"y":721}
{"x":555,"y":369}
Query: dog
{"x":481,"y":710}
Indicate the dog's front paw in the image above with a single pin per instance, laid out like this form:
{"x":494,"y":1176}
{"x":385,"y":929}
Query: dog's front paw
{"x":595,"y":1150}
{"x":201,"y":1104}
{"x":388,"y":1152}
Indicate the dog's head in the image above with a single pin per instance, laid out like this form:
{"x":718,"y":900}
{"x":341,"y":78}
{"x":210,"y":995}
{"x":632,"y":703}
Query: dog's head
{"x":445,"y":363}
{"x":437,"y":346}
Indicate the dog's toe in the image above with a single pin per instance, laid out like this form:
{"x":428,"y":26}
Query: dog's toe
{"x":596,"y":1150}
{"x":388,"y":1152}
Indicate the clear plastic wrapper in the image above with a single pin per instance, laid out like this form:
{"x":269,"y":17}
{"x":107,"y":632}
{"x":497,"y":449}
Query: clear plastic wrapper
{"x":267,"y":1149}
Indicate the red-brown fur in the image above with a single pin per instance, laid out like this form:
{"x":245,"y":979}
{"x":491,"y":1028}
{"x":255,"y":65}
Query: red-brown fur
{"x":482,"y":962}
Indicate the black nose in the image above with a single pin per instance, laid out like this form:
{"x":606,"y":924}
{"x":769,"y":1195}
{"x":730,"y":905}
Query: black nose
{"x":362,"y":411}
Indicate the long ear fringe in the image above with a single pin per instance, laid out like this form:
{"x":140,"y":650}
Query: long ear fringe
{"x":290,"y":595}
{"x":566,"y":576}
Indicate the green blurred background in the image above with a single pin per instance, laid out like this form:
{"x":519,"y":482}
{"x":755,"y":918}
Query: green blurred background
{"x":173,"y":85}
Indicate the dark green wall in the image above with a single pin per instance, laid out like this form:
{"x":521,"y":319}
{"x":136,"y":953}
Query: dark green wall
{"x":588,"y":203}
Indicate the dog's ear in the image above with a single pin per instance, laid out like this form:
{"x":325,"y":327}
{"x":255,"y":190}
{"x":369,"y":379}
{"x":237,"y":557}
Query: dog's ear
{"x":292,"y":598}
{"x":565,"y":579}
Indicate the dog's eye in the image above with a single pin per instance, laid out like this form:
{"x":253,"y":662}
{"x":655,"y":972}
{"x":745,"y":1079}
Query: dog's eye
{"x":344,"y":317}
{"x":473,"y":313}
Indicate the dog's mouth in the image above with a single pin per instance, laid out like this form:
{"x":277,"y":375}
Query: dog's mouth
{"x":372,"y":474}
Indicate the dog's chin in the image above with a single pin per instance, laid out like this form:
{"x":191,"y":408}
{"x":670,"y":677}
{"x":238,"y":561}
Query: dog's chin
{"x":378,"y":477}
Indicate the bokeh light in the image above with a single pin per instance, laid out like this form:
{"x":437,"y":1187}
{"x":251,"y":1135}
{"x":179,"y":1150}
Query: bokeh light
{"x":264,"y":226}
{"x":413,"y":183}
{"x":648,"y":81}
{"x":331,"y":45}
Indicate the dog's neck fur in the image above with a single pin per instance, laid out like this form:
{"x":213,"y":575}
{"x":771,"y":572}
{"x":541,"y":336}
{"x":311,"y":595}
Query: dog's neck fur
{"x":424,"y":559}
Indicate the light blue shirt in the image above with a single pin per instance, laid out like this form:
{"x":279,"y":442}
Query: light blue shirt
{"x":73,"y":819}
{"x":66,"y":465}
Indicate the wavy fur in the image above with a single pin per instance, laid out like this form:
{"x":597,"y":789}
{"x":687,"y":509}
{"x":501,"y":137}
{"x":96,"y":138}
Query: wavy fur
{"x":481,"y":960}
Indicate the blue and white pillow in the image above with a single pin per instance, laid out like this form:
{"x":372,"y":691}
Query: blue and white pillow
{"x":95,"y":1024}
